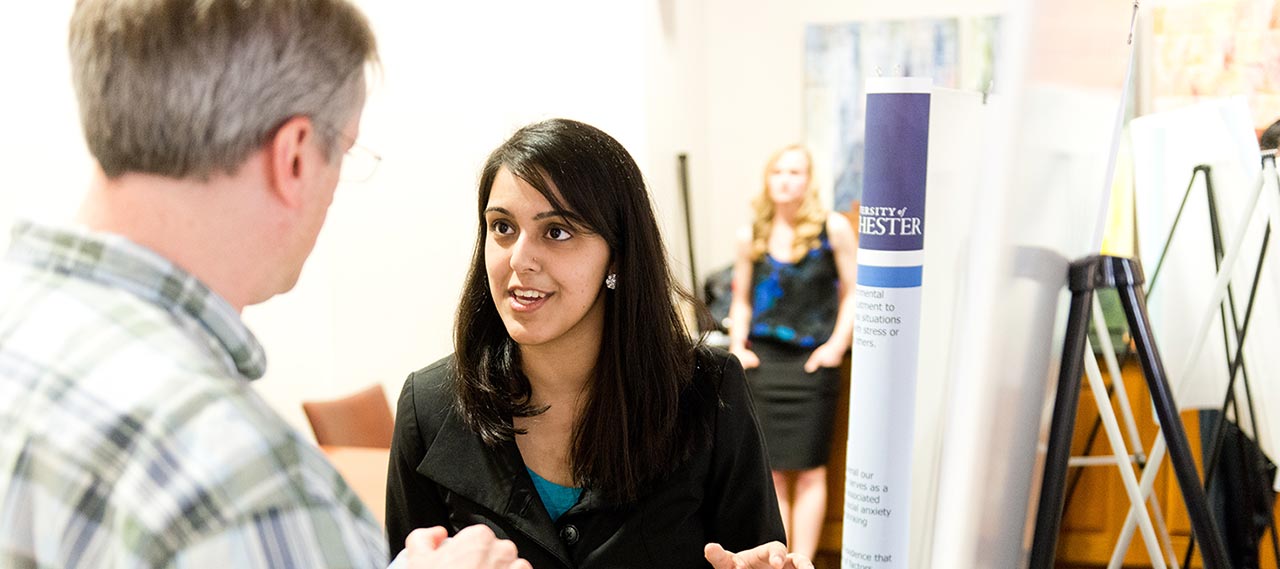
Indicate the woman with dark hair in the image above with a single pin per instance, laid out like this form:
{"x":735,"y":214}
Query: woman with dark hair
{"x":576,"y":417}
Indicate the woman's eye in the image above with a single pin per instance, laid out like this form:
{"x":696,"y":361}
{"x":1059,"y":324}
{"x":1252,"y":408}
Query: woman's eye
{"x":501,"y":228}
{"x":559,"y":234}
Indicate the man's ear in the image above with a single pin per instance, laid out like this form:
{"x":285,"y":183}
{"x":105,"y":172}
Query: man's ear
{"x":288,"y":160}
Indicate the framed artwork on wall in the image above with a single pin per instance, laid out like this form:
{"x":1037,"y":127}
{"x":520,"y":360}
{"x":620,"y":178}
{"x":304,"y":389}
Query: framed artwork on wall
{"x":1216,"y":48}
{"x":959,"y":53}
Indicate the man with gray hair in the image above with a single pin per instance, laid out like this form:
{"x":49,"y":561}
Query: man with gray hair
{"x":129,"y":433}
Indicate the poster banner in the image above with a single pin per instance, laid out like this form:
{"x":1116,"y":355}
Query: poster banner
{"x":887,"y":325}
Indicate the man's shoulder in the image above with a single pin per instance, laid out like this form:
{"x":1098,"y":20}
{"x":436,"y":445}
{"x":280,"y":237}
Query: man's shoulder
{"x":140,"y":398}
{"x":97,"y":365}
{"x":164,"y":431}
{"x":173,"y":461}
{"x":80,"y":325}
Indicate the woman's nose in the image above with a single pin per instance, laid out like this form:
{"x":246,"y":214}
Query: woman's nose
{"x":524,"y":254}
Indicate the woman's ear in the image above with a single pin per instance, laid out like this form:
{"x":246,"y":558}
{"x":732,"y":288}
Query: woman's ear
{"x":288,"y":161}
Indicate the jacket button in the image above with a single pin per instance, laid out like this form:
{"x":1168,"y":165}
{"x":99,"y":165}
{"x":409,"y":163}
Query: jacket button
{"x":569,"y":534}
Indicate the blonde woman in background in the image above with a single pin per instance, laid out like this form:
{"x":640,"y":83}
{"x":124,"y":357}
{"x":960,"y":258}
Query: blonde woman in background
{"x":791,"y":325}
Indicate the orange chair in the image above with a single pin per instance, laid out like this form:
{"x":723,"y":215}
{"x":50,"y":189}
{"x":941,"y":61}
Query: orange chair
{"x":360,"y":420}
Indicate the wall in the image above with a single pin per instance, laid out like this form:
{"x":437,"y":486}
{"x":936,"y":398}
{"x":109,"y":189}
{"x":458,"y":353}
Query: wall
{"x":42,"y":155}
{"x":376,"y":299}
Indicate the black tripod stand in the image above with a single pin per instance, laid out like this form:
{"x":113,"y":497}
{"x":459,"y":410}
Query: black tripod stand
{"x":1233,"y":329}
{"x":1238,"y":331}
{"x":1125,"y":275}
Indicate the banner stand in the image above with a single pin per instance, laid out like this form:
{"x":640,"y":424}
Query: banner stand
{"x":1125,"y":275}
{"x":887,"y":322}
{"x":1233,"y":328}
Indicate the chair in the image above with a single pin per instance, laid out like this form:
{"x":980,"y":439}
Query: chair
{"x":361,"y":420}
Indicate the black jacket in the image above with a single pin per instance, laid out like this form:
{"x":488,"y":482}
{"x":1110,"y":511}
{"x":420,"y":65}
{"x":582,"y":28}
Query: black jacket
{"x":441,"y":473}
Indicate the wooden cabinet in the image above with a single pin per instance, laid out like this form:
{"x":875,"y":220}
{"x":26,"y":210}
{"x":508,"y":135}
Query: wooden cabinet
{"x":1095,"y":512}
{"x":828,"y":556}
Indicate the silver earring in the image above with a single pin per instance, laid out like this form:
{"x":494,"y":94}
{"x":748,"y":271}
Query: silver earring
{"x":611,"y":281}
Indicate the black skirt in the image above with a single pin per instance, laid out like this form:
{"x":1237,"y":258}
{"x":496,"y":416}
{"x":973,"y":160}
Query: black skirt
{"x":796,"y":409}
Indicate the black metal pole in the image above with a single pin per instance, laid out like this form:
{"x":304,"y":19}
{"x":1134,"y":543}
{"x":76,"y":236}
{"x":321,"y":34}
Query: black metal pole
{"x":1219,"y":251}
{"x":1065,"y":405}
{"x":1220,"y":426}
{"x":682,"y":160}
{"x":1275,"y":542}
{"x":1235,"y":363}
{"x":1128,"y":276}
{"x":1201,"y":169}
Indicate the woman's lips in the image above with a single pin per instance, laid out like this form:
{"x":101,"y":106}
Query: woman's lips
{"x":527,"y":300}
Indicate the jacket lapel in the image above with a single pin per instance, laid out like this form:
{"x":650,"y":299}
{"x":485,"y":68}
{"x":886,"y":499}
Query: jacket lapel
{"x":494,"y":478}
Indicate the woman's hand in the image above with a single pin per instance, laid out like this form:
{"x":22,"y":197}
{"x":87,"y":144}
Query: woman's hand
{"x":475,"y":547}
{"x":772,"y":555}
{"x":826,"y":355}
{"x":746,"y":357}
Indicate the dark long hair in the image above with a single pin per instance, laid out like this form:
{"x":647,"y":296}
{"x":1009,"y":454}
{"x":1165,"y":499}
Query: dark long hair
{"x":631,"y":430}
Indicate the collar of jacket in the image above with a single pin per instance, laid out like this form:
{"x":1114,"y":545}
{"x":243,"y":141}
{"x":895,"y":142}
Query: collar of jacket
{"x":496,"y":479}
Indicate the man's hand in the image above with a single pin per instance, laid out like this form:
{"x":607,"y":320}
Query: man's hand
{"x":475,"y":547}
{"x":772,"y":555}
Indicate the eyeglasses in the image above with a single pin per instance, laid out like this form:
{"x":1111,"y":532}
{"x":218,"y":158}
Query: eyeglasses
{"x":358,"y":162}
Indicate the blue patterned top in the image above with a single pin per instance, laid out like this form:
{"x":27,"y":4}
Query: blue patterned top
{"x":556,"y":499}
{"x":796,"y":303}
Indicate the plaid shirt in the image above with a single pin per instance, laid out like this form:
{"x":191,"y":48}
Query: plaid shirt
{"x":129,"y":433}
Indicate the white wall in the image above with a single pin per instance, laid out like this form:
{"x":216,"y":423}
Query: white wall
{"x":676,"y":104}
{"x":376,"y":300}
{"x":44,"y":166}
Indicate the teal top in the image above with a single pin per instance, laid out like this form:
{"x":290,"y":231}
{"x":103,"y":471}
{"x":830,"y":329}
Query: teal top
{"x":556,"y":499}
